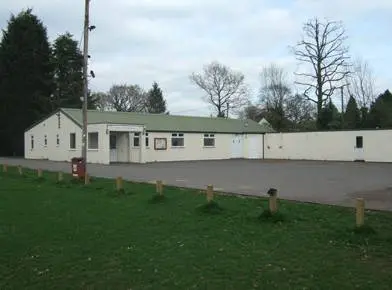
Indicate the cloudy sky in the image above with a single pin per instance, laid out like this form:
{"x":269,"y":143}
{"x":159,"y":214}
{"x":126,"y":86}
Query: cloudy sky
{"x":141,"y":41}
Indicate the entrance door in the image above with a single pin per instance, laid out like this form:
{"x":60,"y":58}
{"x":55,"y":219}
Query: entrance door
{"x":255,"y":147}
{"x":358,"y":149}
{"x":236,"y":146}
{"x":113,"y":147}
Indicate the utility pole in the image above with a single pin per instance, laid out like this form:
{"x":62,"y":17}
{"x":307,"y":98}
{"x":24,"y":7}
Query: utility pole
{"x":85,"y":88}
{"x":342,"y":117}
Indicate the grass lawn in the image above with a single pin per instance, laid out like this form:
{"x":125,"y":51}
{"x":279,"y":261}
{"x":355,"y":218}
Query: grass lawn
{"x":70,"y":236}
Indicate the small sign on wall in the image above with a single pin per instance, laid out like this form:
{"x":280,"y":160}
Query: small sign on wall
{"x":160,"y":143}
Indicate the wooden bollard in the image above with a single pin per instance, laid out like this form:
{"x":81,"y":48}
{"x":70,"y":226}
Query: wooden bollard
{"x":273,"y":205}
{"x":360,"y":212}
{"x":5,"y":168}
{"x":86,"y":179}
{"x":60,"y":177}
{"x":210,"y":193}
{"x":159,"y":187}
{"x":119,"y":183}
{"x":20,"y":170}
{"x":39,"y":172}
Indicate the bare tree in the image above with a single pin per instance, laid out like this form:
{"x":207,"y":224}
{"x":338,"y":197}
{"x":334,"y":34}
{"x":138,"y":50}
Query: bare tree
{"x":224,"y":88}
{"x":252,"y":112}
{"x":361,"y":83}
{"x":275,"y":88}
{"x":126,"y":98}
{"x":323,"y":47}
{"x":299,"y":110}
{"x":274,"y":94}
{"x":100,"y":100}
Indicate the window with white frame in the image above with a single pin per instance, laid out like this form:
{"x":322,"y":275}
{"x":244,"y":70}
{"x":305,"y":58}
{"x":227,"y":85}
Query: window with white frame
{"x":32,"y":142}
{"x":93,"y":140}
{"x":72,"y":140}
{"x":136,"y":139}
{"x":209,"y":140}
{"x":147,"y":141}
{"x":57,"y":140}
{"x":46,"y":140}
{"x":177,"y":140}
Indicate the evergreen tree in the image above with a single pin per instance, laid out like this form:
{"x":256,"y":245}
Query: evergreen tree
{"x":329,"y":117}
{"x":68,"y":63}
{"x":380,"y":114}
{"x":352,"y":116}
{"x":155,"y":102}
{"x":26,"y":79}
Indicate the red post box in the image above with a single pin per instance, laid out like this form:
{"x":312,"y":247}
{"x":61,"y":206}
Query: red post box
{"x":78,"y":167}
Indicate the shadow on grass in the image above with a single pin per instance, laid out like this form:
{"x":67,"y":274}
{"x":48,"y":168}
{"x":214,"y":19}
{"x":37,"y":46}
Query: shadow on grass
{"x":157,"y":198}
{"x":268,"y":216}
{"x":364,"y":231}
{"x":39,"y":179}
{"x":210,"y":208}
{"x":118,"y":193}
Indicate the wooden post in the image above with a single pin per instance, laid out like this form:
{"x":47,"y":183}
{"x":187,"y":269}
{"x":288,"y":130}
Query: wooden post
{"x":159,"y":187}
{"x":119,"y":183}
{"x":39,"y":172}
{"x":20,"y":170}
{"x":273,"y":205}
{"x":5,"y":168}
{"x":60,"y":177}
{"x":360,"y":213}
{"x":210,"y":193}
{"x":86,"y":179}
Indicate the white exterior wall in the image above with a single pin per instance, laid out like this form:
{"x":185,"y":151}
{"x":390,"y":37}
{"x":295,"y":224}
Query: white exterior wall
{"x":193,"y":148}
{"x":52,"y":151}
{"x":63,"y":152}
{"x":100,"y":155}
{"x":334,"y":146}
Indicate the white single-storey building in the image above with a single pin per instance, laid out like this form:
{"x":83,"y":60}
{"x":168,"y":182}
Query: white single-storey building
{"x":141,"y":137}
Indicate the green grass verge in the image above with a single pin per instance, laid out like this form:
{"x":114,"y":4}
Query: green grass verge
{"x":71,"y":236}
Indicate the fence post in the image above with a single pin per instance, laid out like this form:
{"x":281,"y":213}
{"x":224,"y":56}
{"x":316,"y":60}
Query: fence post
{"x":60,"y":177}
{"x":273,"y":206}
{"x":159,"y":187}
{"x":360,"y":212}
{"x":20,"y":170}
{"x":5,"y":168}
{"x":86,"y":179}
{"x":39,"y":172}
{"x":210,"y":193}
{"x":119,"y":183}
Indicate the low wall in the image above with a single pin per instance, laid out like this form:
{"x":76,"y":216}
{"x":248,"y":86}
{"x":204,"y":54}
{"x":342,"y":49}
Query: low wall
{"x":334,"y":145}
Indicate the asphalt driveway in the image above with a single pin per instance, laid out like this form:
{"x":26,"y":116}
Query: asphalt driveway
{"x":323,"y":182}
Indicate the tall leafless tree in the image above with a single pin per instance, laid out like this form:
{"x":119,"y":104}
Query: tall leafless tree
{"x":126,"y":98}
{"x":274,"y":93}
{"x":274,"y":89}
{"x":323,"y":48}
{"x":225,"y":89}
{"x":361,"y":83}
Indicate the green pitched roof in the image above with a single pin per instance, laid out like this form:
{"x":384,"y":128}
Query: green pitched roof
{"x":169,"y":123}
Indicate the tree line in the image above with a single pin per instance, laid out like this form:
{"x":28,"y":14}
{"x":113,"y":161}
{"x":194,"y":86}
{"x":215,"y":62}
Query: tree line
{"x":131,"y":98}
{"x":327,"y":71}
